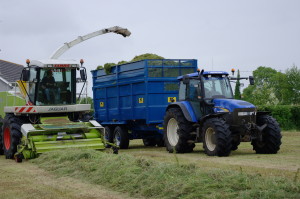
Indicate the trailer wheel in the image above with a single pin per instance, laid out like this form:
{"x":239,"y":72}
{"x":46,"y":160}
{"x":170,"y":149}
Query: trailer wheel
{"x":149,"y":141}
{"x":108,"y":135}
{"x":177,"y":132}
{"x":271,"y":136}
{"x":217,"y":140}
{"x":11,"y":135}
{"x":121,"y":138}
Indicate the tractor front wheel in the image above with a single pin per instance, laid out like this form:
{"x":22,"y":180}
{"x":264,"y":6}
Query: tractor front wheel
{"x":217,"y":140}
{"x":271,"y":136}
{"x":11,"y":135}
{"x":178,"y":132}
{"x":121,"y":137}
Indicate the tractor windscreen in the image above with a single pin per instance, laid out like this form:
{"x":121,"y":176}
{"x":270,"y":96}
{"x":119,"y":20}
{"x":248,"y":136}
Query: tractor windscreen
{"x":217,"y":87}
{"x":56,"y":86}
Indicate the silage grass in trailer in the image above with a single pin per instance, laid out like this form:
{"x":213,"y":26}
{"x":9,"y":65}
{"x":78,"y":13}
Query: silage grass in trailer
{"x":152,"y":179}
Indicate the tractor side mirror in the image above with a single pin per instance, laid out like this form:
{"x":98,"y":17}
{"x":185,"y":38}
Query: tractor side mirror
{"x":251,"y":80}
{"x":83,"y":75}
{"x":25,"y":75}
{"x":186,"y":79}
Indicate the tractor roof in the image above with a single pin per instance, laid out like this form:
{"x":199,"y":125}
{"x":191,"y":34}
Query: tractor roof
{"x":54,"y":63}
{"x":205,"y":73}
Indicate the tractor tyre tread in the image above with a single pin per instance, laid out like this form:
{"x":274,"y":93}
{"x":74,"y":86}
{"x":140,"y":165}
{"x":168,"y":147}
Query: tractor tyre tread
{"x":223,"y":137}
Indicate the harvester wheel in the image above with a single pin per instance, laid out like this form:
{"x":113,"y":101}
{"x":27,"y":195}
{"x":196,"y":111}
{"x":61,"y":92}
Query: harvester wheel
{"x":217,"y":140}
{"x":1,"y":142}
{"x":271,"y":136}
{"x":11,"y":135}
{"x":121,"y":138}
{"x":108,"y":135}
{"x":177,"y":132}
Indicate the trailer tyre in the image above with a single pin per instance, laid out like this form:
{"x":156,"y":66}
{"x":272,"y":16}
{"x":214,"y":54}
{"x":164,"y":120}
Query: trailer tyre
{"x":217,"y":140}
{"x":271,"y":136}
{"x":11,"y":135}
{"x":121,"y":137}
{"x":177,"y":132}
{"x":108,"y":135}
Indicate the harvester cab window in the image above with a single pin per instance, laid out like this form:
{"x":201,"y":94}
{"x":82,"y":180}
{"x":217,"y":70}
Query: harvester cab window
{"x":56,"y":86}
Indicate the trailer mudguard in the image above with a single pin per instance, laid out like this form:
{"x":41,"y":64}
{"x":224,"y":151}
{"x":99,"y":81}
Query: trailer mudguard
{"x":186,"y":109}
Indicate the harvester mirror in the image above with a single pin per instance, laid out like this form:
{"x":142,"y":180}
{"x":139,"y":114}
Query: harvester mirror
{"x":251,"y":80}
{"x":83,"y":75}
{"x":186,"y":79}
{"x":25,"y":75}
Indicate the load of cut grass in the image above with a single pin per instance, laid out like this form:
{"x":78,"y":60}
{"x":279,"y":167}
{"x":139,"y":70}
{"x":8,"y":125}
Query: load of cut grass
{"x":151,"y":179}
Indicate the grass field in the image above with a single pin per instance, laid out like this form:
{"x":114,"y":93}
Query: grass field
{"x":151,"y":172}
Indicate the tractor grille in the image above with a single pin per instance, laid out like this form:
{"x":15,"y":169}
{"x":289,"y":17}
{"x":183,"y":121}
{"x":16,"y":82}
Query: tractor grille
{"x":243,"y":116}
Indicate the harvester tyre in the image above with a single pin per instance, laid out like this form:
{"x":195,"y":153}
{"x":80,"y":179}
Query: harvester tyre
{"x":11,"y":135}
{"x":121,"y":137}
{"x":217,"y":140}
{"x":108,"y":135}
{"x":1,"y":142}
{"x":177,"y":132}
{"x":271,"y":136}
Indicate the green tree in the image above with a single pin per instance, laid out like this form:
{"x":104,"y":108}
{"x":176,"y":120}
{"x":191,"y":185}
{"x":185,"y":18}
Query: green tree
{"x":146,"y":56}
{"x":237,"y":92}
{"x":263,"y":91}
{"x":293,"y":84}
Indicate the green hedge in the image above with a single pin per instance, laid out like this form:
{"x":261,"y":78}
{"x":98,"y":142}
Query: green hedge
{"x":287,"y":116}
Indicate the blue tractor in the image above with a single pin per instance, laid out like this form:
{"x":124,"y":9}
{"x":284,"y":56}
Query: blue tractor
{"x":207,"y":112}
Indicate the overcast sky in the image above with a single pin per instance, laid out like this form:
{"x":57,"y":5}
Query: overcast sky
{"x":220,"y":34}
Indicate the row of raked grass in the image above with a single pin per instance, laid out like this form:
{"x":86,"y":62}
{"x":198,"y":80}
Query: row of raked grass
{"x":153,"y":179}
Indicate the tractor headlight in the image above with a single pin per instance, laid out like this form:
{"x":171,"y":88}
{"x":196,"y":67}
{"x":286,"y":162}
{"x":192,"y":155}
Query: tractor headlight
{"x":245,"y":113}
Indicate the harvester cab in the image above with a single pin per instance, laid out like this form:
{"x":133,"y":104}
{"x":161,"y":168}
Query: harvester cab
{"x":207,"y":112}
{"x":41,"y":113}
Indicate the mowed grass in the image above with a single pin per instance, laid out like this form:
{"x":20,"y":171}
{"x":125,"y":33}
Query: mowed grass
{"x":177,"y":176}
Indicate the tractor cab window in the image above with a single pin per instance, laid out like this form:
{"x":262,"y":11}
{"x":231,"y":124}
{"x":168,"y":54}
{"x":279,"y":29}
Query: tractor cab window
{"x":217,"y":87}
{"x":194,"y":93}
{"x":56,"y":86}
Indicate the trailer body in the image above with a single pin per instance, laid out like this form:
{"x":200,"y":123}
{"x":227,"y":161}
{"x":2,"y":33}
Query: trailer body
{"x":135,"y":95}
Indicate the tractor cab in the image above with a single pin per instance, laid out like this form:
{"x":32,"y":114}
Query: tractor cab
{"x":51,"y":82}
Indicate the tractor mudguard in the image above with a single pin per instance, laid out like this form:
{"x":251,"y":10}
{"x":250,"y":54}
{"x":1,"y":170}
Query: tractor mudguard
{"x":203,"y":119}
{"x":187,"y":110}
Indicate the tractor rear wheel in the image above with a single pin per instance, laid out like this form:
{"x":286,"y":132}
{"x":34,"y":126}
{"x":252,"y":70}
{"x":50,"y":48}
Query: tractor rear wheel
{"x":121,"y":137}
{"x":11,"y":135}
{"x":178,"y":132}
{"x":108,"y":135}
{"x":217,"y":140}
{"x":271,"y":136}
